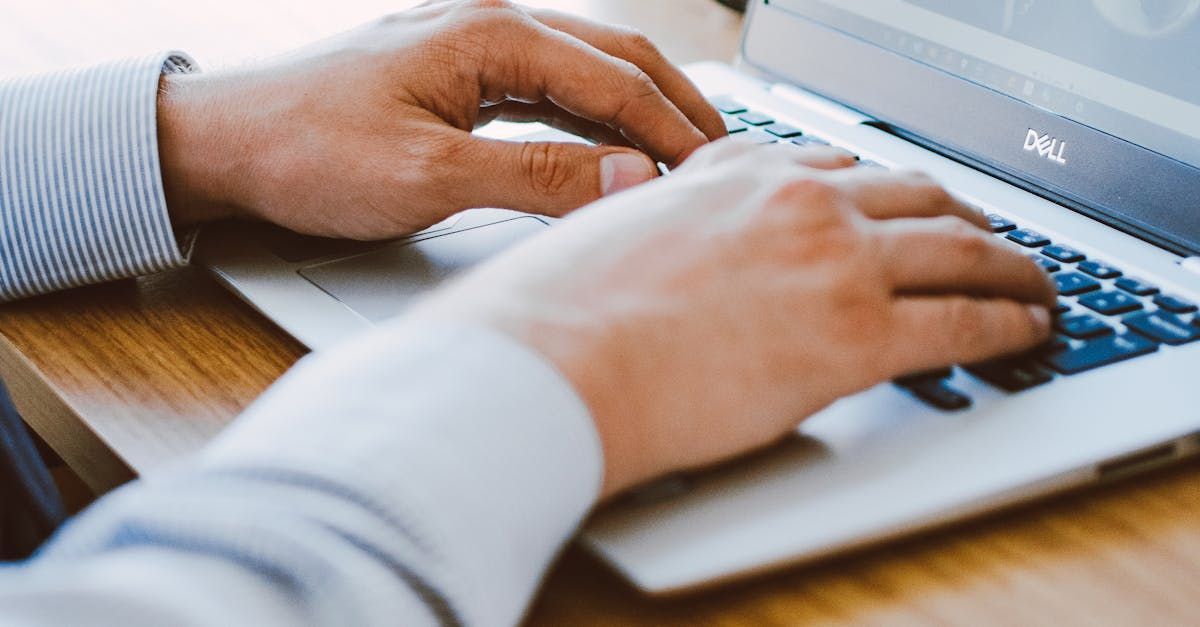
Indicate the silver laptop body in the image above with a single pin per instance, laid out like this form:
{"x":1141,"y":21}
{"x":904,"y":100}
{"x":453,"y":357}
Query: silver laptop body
{"x":1008,"y":119}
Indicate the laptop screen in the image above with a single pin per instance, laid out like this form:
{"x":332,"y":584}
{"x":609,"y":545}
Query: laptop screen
{"x":1129,"y":68}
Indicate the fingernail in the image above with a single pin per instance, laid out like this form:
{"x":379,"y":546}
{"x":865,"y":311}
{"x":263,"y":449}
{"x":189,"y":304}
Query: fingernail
{"x":622,"y":170}
{"x":1041,"y":316}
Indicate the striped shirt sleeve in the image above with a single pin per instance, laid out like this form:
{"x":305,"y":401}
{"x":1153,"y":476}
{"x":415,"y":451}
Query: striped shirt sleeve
{"x":81,"y":194}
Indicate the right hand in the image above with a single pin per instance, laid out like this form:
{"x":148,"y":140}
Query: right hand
{"x":707,"y":314}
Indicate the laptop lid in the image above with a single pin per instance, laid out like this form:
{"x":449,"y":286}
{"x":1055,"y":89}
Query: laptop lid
{"x":1094,"y":104}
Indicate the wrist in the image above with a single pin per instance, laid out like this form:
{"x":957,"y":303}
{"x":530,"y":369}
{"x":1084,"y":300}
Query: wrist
{"x":201,"y":168}
{"x":600,"y":376}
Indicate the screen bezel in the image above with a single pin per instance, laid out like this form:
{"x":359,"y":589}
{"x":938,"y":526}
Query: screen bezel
{"x":1139,"y":191}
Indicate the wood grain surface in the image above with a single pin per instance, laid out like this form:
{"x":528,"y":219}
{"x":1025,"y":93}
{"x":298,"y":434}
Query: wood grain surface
{"x":125,"y":378}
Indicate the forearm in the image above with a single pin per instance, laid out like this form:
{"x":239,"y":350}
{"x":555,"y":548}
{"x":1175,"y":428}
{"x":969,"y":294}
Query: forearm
{"x":81,"y":199}
{"x":418,"y":474}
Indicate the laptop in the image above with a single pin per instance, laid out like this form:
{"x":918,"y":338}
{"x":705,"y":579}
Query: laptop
{"x":1074,"y":125}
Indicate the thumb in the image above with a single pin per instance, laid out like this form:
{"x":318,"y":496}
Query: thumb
{"x":554,"y":178}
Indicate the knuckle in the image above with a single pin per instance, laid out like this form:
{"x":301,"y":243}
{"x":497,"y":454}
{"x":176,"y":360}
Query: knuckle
{"x":806,"y":191}
{"x":936,"y":195}
{"x":933,"y":192}
{"x":847,"y":293}
{"x":640,"y":84}
{"x":971,"y":248}
{"x":635,"y":86}
{"x":811,"y":206}
{"x":489,"y":5}
{"x":487,"y":14}
{"x":1020,"y":321}
{"x":636,"y":44}
{"x":547,"y":167}
{"x":963,"y":316}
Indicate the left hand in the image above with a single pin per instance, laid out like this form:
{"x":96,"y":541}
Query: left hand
{"x":368,"y":135}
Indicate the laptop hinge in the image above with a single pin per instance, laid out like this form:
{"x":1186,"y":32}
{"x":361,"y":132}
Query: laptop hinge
{"x":1191,"y":264}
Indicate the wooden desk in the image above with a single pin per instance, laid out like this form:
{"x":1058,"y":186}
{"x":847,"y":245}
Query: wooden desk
{"x":125,"y":378}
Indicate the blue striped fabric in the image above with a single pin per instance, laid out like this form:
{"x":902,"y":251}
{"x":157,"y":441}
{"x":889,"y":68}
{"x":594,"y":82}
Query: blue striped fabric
{"x":81,"y":195}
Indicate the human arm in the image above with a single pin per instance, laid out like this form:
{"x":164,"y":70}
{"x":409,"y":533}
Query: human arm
{"x":81,"y":200}
{"x":440,"y":461}
{"x":618,"y":326}
{"x":365,"y":488}
{"x":366,"y":135}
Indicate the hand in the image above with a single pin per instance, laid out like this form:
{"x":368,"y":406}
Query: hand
{"x":706,"y":314}
{"x":368,"y":135}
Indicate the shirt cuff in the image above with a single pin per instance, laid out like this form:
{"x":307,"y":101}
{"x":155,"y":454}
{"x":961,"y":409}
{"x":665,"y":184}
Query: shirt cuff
{"x":81,"y":194}
{"x":475,"y":441}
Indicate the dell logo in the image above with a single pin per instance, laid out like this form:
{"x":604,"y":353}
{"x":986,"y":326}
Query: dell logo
{"x":1046,"y":146}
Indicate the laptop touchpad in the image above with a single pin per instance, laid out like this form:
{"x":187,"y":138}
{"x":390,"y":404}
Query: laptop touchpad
{"x":380,"y":284}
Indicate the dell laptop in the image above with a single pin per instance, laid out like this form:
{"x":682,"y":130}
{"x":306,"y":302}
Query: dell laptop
{"x":1074,"y":125}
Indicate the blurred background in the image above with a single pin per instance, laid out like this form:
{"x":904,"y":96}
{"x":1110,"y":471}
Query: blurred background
{"x":40,"y":35}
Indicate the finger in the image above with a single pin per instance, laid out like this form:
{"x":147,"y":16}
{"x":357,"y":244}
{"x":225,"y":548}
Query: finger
{"x":884,"y":195}
{"x":822,"y":157}
{"x":934,"y":332}
{"x":553,"y":116}
{"x":549,"y":178}
{"x":811,"y":157}
{"x":531,"y":62}
{"x":633,"y":46}
{"x":947,"y":255}
{"x":815,"y":157}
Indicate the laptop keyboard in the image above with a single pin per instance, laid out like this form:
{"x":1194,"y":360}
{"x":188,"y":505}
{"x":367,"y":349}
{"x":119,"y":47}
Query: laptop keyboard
{"x":760,"y":128}
{"x":1103,"y":317}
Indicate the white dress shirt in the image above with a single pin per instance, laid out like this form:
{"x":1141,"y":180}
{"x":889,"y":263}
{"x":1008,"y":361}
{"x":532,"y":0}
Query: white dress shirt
{"x":419,"y":474}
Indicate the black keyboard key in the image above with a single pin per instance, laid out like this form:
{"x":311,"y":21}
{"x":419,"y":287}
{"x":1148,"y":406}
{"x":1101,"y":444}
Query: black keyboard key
{"x":1028,"y":238}
{"x":725,"y":104}
{"x":1100,"y":352}
{"x":1163,"y":327}
{"x":1000,"y":224}
{"x":1064,"y":254}
{"x":1049,"y":265}
{"x":1100,"y":270}
{"x":940,"y":395}
{"x":754,"y":118}
{"x":783,"y":130}
{"x":1012,"y":375}
{"x":734,"y":125}
{"x":1083,"y":326}
{"x":1110,"y":303}
{"x":1174,"y":304}
{"x":1074,"y":284}
{"x":1061,"y":307}
{"x":1137,"y":287}
{"x":940,"y":374}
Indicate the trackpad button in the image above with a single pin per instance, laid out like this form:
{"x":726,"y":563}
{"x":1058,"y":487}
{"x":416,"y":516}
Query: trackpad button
{"x":380,"y":284}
